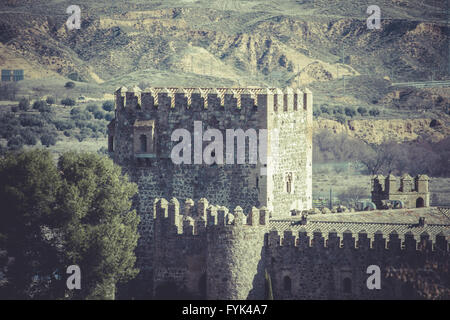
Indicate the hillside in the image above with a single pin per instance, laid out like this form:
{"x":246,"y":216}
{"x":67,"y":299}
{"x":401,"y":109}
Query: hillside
{"x":324,"y":45}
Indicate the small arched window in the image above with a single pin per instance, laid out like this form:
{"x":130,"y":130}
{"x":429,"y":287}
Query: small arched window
{"x":347,"y":285}
{"x":289,"y":183}
{"x":143,"y":141}
{"x":287,"y":284}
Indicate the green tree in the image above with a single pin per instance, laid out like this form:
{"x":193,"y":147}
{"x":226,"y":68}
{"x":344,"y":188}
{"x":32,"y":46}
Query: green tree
{"x":362,"y":111}
{"x":108,"y":106}
{"x":68,"y":102}
{"x":350,"y":112}
{"x":30,"y":181}
{"x":69,"y":85}
{"x":24,"y":104}
{"x":75,"y":213}
{"x":50,"y":100}
{"x":374,"y":112}
{"x":101,"y":229}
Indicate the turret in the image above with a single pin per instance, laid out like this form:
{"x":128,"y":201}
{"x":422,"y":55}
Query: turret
{"x":406,"y":183}
{"x":421,"y":182}
{"x":390,"y":184}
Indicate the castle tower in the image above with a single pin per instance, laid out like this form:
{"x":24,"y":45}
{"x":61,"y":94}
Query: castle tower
{"x":235,"y":261}
{"x":406,"y":183}
{"x":153,"y":125}
{"x":421,"y":183}
{"x":390,"y":184}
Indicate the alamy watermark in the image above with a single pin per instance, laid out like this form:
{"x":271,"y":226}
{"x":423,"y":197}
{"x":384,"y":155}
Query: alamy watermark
{"x":74,"y":280}
{"x":214,"y":152}
{"x":74,"y":21}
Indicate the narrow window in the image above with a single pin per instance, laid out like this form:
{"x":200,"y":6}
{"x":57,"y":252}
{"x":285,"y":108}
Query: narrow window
{"x":295,"y":101}
{"x":275,"y":102}
{"x":143,"y":140}
{"x":111,"y":143}
{"x":305,"y":101}
{"x":289,"y":183}
{"x":287,"y":284}
{"x":285,"y":102}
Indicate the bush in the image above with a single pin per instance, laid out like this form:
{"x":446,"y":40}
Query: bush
{"x":62,"y":125}
{"x":374,"y":112}
{"x":324,"y":108}
{"x":31,"y":120}
{"x":338,"y":110}
{"x":341,"y":119}
{"x":38,"y":104}
{"x":45,"y":108}
{"x":50,"y":100}
{"x":83,"y":115}
{"x":362,"y":111}
{"x":350,"y":112}
{"x":68,"y":102}
{"x":69,"y":85}
{"x":48,"y":139}
{"x":15,"y":109}
{"x":29,"y":137}
{"x":109,"y":116}
{"x":108,"y":106}
{"x":92,"y":108}
{"x":24,"y":104}
{"x":74,"y":76}
{"x":75,"y":111}
{"x":15,"y":142}
{"x":99,"y":115}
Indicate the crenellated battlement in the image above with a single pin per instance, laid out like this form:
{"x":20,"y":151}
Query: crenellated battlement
{"x":171,"y":99}
{"x":194,"y":218}
{"x":378,"y":241}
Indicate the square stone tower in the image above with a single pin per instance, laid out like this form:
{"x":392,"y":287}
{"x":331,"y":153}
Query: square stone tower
{"x":142,"y":138}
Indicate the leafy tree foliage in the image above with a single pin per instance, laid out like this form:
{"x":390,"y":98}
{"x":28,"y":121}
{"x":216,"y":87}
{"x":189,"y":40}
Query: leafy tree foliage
{"x":77,"y":212}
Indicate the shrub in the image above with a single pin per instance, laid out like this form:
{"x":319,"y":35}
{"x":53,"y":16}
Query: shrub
{"x":109,"y":116}
{"x":24,"y":104}
{"x":350,"y":112}
{"x":48,"y":139}
{"x":15,"y":142}
{"x":62,"y":125}
{"x":75,"y":111}
{"x":29,"y":120}
{"x":99,"y":115}
{"x":374,"y":112}
{"x":69,"y":85}
{"x":14,"y":109}
{"x":74,"y":76}
{"x":38,"y":104}
{"x":92,"y":108}
{"x":83,"y":115}
{"x":50,"y":100}
{"x":45,"y":108}
{"x":338,"y":110}
{"x":362,"y":111}
{"x":324,"y":108}
{"x":108,"y":106}
{"x":68,"y":102}
{"x":29,"y":137}
{"x":341,"y":119}
{"x":316,"y":113}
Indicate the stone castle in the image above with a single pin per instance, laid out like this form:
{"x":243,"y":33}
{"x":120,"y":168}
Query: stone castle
{"x":407,"y":195}
{"x":198,"y":250}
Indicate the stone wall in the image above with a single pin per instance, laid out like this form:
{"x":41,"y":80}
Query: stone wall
{"x":314,"y":266}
